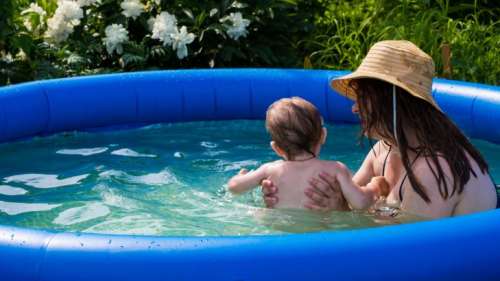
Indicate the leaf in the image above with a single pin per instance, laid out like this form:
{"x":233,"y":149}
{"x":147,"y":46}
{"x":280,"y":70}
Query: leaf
{"x":189,"y":14}
{"x":132,"y":60}
{"x":291,"y":2}
{"x":23,"y":41}
{"x":75,"y":59}
{"x":157,"y":52}
{"x":200,"y":19}
{"x":307,"y":63}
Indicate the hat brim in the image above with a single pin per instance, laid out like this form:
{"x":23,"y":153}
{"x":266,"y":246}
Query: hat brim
{"x":341,"y":85}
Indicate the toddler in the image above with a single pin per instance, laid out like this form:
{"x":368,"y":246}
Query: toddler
{"x":297,"y":134}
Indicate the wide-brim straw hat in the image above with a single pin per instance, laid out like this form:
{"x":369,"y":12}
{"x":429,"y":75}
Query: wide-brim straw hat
{"x":398,"y":62}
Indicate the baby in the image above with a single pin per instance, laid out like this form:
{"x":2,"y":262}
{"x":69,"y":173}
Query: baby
{"x":297,"y":134}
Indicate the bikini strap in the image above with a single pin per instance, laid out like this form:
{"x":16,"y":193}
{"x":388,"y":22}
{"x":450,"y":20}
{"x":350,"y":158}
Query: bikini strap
{"x":406,"y":175}
{"x":385,"y":160}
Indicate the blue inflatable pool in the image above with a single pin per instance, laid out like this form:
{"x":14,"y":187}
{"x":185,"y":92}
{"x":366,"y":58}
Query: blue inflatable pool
{"x":462,"y":248}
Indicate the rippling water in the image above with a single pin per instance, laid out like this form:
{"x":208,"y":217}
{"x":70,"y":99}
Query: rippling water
{"x":165,"y":180}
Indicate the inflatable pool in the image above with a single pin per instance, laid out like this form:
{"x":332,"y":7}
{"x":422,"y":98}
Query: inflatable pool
{"x":462,"y":248}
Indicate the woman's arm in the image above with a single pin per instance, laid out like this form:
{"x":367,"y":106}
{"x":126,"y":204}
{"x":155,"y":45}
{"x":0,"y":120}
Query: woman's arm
{"x":366,"y":172}
{"x":361,"y":197}
{"x":325,"y":192}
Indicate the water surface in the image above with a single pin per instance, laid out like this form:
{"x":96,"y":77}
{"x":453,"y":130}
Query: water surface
{"x":165,"y":180}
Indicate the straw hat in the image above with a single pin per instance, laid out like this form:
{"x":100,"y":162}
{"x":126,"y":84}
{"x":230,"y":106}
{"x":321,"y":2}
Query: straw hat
{"x":398,"y":62}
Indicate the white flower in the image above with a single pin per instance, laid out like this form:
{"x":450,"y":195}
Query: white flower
{"x":213,"y":12}
{"x":70,"y":11}
{"x":34,"y":8}
{"x":158,"y":2}
{"x":164,"y":26}
{"x":27,"y":24}
{"x":66,"y":17}
{"x":58,"y":30}
{"x":84,"y":3}
{"x":132,"y":8}
{"x":151,"y":23}
{"x":238,"y":26}
{"x":180,"y":40}
{"x":21,"y":55}
{"x":116,"y":34}
{"x":238,"y":5}
{"x":7,"y":58}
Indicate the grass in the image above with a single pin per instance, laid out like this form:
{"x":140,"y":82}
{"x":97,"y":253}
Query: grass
{"x":346,"y":30}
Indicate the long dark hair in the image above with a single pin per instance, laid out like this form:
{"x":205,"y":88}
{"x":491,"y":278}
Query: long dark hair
{"x":435,"y":133}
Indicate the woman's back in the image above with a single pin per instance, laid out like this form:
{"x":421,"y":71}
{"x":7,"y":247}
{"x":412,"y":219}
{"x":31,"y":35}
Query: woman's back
{"x":479,"y":193}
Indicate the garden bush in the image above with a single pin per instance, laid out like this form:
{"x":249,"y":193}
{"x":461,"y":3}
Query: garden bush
{"x":48,"y":38}
{"x":57,"y":38}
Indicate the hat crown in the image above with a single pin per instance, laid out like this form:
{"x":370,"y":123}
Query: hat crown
{"x":398,"y":62}
{"x":399,"y":58}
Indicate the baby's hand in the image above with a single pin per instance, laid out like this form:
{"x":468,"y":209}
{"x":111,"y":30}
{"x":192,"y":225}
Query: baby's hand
{"x":243,"y":172}
{"x":381,"y":184}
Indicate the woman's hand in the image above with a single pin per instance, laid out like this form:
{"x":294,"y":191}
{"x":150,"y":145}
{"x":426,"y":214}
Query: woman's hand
{"x":269,"y":192}
{"x":325,"y":194}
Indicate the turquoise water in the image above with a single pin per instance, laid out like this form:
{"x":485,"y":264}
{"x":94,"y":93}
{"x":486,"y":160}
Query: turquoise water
{"x":165,"y":180}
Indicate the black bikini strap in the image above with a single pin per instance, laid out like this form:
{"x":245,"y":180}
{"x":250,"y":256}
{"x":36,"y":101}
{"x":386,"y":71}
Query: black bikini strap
{"x":385,"y":160}
{"x":406,"y":175}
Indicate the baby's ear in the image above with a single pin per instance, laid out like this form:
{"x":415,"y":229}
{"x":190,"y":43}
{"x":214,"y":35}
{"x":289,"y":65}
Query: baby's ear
{"x":276,"y":149}
{"x":323,"y":135}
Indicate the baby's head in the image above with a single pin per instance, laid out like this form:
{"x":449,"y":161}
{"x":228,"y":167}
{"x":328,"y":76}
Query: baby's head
{"x":296,"y":128}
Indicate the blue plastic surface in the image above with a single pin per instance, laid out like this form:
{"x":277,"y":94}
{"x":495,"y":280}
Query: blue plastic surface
{"x":462,"y":248}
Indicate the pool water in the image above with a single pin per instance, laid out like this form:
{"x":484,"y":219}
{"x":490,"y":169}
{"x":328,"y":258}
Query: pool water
{"x":166,"y":179}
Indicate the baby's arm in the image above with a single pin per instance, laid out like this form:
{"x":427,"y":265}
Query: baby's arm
{"x":246,"y":180}
{"x":360,"y":197}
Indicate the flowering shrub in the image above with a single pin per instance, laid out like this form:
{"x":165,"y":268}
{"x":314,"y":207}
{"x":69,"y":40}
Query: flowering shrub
{"x":53,"y":38}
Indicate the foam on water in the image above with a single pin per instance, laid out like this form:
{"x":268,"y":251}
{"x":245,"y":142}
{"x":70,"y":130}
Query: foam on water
{"x":82,"y":151}
{"x":161,"y":178}
{"x":87,"y":212}
{"x":10,"y":190}
{"x":131,"y":153}
{"x":208,"y":144}
{"x":45,"y":180}
{"x":15,"y":208}
{"x":112,"y":198}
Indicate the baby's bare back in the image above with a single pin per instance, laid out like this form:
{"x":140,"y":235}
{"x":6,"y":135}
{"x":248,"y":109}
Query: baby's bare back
{"x":292,"y":179}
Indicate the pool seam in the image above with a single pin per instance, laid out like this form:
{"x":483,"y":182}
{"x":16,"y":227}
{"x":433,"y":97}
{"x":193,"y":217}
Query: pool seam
{"x":41,"y":263}
{"x":327,"y":104}
{"x":49,"y":113}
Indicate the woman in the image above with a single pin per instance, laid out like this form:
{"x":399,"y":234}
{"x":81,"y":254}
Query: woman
{"x":431,"y":167}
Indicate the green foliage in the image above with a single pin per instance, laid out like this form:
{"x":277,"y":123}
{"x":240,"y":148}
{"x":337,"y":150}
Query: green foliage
{"x":282,"y":33}
{"x":347,"y":29}
{"x":275,"y":26}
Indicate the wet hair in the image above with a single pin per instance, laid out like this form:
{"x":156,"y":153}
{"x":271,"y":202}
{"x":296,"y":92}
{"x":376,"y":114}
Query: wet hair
{"x":295,"y":125}
{"x":436,"y":135}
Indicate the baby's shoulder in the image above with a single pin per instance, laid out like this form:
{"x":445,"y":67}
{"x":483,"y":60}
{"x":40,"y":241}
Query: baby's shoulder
{"x":270,"y":166}
{"x":333,"y":165}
